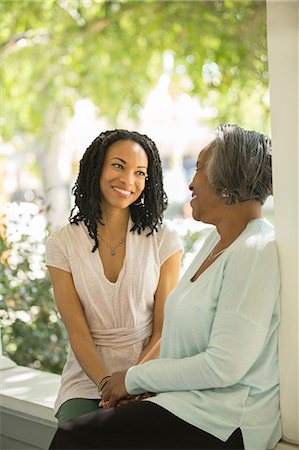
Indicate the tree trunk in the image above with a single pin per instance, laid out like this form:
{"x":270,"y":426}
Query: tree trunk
{"x":54,"y":164}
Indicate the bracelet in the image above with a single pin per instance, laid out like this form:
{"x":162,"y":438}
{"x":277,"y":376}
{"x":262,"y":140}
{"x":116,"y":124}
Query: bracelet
{"x":102,"y":383}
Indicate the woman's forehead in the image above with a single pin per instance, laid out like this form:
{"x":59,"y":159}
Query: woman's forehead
{"x":204,"y":153}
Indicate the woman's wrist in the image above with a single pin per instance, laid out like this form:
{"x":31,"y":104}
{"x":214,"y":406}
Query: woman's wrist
{"x":102,"y":383}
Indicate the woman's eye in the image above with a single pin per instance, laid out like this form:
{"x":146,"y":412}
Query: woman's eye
{"x":199,"y":167}
{"x":118,"y":166}
{"x":143,"y":174}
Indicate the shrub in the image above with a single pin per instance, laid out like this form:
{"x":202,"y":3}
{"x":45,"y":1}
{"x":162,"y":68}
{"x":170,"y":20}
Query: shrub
{"x":33,"y":333}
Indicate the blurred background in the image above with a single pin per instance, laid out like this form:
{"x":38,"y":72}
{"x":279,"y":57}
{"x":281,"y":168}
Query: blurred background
{"x":73,"y":68}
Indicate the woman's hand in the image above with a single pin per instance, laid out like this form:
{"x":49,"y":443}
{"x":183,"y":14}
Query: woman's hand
{"x":114,"y":390}
{"x":127,"y":399}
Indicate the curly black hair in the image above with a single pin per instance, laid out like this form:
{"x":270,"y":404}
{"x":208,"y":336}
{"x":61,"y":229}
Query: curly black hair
{"x":86,"y":190}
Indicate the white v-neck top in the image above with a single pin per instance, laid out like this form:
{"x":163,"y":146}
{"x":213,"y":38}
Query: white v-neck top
{"x":219,"y":361}
{"x":120,"y":314}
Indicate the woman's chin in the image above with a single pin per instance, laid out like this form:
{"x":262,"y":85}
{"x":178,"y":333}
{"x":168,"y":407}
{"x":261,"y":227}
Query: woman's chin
{"x":195,"y":215}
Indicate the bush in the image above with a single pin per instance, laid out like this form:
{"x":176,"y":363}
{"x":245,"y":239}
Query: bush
{"x":33,"y":333}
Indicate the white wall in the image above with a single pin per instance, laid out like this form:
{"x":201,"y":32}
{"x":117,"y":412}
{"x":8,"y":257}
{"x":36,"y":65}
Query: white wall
{"x":283,"y":47}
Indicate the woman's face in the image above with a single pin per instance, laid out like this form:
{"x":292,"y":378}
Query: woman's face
{"x":205,"y":203}
{"x":123,"y":175}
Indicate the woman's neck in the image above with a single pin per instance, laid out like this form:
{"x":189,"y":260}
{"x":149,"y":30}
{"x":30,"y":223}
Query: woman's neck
{"x":235,"y":220}
{"x":115,"y":222}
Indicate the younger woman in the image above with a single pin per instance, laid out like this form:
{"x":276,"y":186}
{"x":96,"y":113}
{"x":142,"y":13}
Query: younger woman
{"x":112,"y":266}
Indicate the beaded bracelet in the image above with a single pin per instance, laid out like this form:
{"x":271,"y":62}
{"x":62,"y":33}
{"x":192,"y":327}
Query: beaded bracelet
{"x":102,"y":383}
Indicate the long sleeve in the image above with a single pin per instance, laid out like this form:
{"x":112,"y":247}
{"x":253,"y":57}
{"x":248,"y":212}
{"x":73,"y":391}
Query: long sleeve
{"x":231,"y":353}
{"x":239,"y":329}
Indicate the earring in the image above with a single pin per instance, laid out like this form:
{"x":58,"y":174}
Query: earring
{"x":225,"y":193}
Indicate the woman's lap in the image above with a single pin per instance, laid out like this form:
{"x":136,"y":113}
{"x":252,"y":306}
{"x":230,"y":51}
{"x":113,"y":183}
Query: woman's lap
{"x":76,"y":407}
{"x":140,"y":425}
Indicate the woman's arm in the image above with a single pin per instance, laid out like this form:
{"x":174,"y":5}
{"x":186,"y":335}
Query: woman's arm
{"x":153,"y":353}
{"x":247,"y":308}
{"x":247,"y":303}
{"x":231,"y":352}
{"x":169,"y":276}
{"x":70,"y":308}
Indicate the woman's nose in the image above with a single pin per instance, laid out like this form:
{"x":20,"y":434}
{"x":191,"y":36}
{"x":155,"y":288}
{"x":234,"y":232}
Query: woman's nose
{"x":127,"y":178}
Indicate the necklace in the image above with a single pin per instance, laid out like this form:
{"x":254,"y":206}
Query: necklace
{"x":213,"y":255}
{"x":108,"y":245}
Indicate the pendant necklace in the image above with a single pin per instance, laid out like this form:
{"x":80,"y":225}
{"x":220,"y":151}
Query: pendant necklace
{"x":112,"y":249}
{"x":213,"y":255}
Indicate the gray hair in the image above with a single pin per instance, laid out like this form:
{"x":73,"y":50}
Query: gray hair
{"x":239,"y":167}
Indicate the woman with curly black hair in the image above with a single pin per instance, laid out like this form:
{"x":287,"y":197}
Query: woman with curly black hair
{"x":112,"y":266}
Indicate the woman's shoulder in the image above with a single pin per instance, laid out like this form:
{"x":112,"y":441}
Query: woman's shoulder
{"x":260,"y":232}
{"x":168,"y":239}
{"x":168,"y":227}
{"x":256,"y":242}
{"x":162,"y":236}
{"x":67,"y":231}
{"x":167,"y":231}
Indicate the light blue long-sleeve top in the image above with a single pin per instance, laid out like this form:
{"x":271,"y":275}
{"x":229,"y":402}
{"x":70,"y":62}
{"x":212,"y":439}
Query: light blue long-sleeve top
{"x":218,"y":368}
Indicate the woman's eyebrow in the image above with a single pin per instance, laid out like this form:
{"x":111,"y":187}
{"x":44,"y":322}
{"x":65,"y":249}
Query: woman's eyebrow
{"x":122,"y":160}
{"x":125,"y":162}
{"x":200,"y":165}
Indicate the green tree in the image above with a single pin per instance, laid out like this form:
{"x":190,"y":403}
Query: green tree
{"x":110,"y":51}
{"x":57,"y":51}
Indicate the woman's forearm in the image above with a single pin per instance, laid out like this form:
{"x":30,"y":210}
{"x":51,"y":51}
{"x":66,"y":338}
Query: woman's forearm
{"x":151,"y":351}
{"x":88,"y":357}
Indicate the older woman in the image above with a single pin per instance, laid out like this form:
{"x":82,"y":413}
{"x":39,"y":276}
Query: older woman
{"x":216,"y":381}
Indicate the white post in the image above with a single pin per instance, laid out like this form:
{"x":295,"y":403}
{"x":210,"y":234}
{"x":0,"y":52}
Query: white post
{"x":283,"y":47}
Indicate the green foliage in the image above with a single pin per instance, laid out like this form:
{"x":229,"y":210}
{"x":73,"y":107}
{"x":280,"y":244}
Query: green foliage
{"x":33,"y":333}
{"x":57,"y":51}
{"x":189,"y":240}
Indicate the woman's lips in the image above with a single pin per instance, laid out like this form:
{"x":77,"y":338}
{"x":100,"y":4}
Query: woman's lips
{"x":123,"y":193}
{"x":194,"y":196}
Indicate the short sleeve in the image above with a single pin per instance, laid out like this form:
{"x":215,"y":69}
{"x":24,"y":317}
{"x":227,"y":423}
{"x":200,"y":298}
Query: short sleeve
{"x":56,"y":251}
{"x":169,"y":242}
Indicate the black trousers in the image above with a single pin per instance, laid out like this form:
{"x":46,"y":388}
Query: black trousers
{"x":140,"y":425}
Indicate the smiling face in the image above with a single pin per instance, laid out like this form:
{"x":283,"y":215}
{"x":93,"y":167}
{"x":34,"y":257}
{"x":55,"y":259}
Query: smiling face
{"x":206,"y":205}
{"x":123,"y":175}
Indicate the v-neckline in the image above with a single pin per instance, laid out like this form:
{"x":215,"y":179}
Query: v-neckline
{"x":210,"y":247}
{"x":114,"y":283}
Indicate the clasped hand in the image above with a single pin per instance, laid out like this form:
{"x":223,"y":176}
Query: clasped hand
{"x":114,"y":392}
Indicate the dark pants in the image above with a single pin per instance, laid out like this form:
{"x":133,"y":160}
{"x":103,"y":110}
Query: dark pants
{"x":140,"y":425}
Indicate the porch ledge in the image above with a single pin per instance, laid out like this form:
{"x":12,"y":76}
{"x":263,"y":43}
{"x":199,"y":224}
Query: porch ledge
{"x":27,"y":390}
{"x":27,"y":398}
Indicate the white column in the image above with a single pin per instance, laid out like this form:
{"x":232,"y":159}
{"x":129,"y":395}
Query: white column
{"x":283,"y":26}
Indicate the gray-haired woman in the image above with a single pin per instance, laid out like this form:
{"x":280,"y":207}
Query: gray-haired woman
{"x":216,"y":381}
